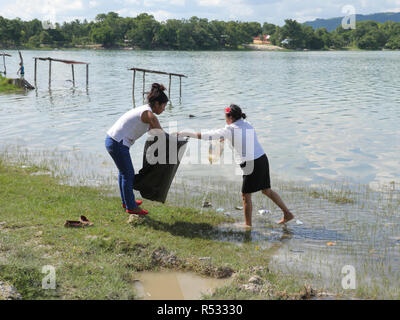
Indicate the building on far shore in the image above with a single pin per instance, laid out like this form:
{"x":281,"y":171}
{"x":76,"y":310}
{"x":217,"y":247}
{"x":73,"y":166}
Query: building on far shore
{"x":263,"y":39}
{"x":285,"y":43}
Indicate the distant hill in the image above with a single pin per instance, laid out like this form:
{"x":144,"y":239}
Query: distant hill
{"x":333,"y":23}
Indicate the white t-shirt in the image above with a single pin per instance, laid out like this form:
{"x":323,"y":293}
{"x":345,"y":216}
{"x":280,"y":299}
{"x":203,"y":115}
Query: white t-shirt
{"x":242,"y":136}
{"x":130,"y":126}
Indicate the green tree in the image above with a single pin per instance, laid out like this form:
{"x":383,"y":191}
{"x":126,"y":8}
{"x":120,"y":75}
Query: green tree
{"x":368,"y":35}
{"x":337,"y":40}
{"x":325,"y":36}
{"x":393,"y":42}
{"x":144,"y":30}
{"x":167,"y":36}
{"x":311,"y":40}
{"x":102,"y":34}
{"x":45,"y":38}
{"x":277,"y":37}
{"x":371,"y":41}
{"x":268,"y":28}
{"x":34,"y":41}
{"x":184,"y":37}
{"x":294,"y":31}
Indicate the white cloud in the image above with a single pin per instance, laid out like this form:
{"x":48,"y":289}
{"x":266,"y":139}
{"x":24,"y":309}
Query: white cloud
{"x":156,"y":3}
{"x":308,"y":14}
{"x":93,"y":4}
{"x":210,"y":3}
{"x":44,"y":9}
{"x":126,"y":12}
{"x":129,"y":2}
{"x":161,"y":15}
{"x":273,"y":11}
{"x":236,"y":9}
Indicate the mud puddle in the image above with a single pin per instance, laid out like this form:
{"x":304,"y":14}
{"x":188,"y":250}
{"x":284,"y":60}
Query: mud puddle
{"x":174,"y":285}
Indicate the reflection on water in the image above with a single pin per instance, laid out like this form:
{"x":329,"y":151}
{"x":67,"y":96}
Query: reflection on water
{"x":319,"y":115}
{"x":363,"y":232}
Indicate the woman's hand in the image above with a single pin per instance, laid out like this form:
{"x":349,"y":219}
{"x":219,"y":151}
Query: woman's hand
{"x":189,"y":134}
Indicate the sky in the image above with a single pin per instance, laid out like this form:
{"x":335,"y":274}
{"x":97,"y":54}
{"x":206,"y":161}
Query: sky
{"x":272,"y":11}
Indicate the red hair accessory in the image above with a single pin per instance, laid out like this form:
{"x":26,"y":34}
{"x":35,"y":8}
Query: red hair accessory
{"x":227,"y":110}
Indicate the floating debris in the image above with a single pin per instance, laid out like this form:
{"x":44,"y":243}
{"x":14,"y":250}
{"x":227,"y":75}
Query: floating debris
{"x":263,"y":212}
{"x":41,"y":173}
{"x":91,"y":237}
{"x":299,"y":222}
{"x":204,"y":258}
{"x":220,"y":210}
{"x":238,"y":208}
{"x":215,"y":151}
{"x":228,"y":214}
{"x":331,"y":243}
{"x":207,"y":204}
{"x":308,"y":292}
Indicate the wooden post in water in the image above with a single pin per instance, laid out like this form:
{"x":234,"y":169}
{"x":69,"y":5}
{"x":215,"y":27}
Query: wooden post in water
{"x":170,"y":75}
{"x":180,"y":88}
{"x":49,"y":73}
{"x":169,"y":87}
{"x":35,"y":72}
{"x":87,"y":75}
{"x":73,"y":75}
{"x":144,"y":80}
{"x":5,"y":68}
{"x":133,"y":87}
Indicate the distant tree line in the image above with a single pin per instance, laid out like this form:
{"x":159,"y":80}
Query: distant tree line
{"x":145,"y":32}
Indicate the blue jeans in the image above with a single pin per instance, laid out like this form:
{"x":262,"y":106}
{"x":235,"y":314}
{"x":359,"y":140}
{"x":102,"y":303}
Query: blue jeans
{"x":120,"y":154}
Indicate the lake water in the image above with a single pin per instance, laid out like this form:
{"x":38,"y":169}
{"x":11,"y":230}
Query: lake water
{"x":320,"y":116}
{"x":324,"y":118}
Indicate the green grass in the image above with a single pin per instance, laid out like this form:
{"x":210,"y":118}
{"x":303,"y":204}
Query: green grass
{"x":6,"y":85}
{"x":101,"y":262}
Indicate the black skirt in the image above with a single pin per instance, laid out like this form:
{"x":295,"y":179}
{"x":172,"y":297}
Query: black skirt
{"x":256,"y":175}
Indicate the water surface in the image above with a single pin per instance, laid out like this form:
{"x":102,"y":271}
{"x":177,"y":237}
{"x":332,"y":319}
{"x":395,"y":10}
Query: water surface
{"x":320,"y":116}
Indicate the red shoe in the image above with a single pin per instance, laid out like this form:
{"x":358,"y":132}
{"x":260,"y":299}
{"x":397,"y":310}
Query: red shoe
{"x":137,"y":211}
{"x":138,"y":203}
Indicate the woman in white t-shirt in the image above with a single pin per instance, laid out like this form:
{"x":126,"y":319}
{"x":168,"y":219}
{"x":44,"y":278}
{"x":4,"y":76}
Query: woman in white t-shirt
{"x":254,"y":161}
{"x":123,"y":134}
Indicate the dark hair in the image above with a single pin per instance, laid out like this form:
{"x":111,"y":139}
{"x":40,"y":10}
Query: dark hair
{"x":236,"y":113}
{"x":157,"y":94}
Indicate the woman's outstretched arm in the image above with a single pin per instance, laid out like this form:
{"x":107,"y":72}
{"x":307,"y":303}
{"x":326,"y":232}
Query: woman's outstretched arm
{"x":217,"y":134}
{"x":196,"y":135}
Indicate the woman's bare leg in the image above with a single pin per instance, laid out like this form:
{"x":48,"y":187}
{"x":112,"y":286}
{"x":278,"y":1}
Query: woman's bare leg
{"x":247,"y":207}
{"x":287,"y":215}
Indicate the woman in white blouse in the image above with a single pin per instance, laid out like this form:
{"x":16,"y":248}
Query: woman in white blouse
{"x":254,"y":161}
{"x":123,"y":134}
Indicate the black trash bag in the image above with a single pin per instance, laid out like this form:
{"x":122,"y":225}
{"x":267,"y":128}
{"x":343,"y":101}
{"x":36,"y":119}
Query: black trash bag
{"x":154,"y":179}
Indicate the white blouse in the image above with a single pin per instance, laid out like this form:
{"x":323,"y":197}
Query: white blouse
{"x":130,"y":126}
{"x":242,"y":136}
